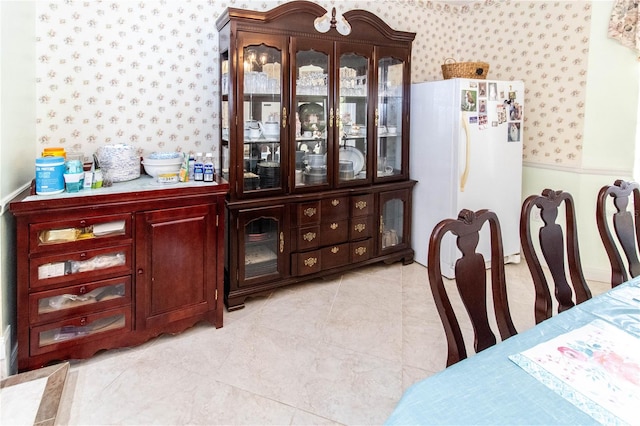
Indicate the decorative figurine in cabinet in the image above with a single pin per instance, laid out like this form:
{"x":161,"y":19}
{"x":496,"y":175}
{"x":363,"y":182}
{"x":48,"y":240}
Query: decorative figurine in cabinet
{"x":314,"y":112}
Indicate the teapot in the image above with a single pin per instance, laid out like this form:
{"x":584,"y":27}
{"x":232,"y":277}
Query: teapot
{"x":253,"y":129}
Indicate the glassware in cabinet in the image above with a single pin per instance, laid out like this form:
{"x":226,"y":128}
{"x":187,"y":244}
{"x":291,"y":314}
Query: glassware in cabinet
{"x":389,"y":117}
{"x":313,"y":114}
{"x":261,"y":115}
{"x":394,"y":217}
{"x":353,"y":114}
{"x":261,"y":253}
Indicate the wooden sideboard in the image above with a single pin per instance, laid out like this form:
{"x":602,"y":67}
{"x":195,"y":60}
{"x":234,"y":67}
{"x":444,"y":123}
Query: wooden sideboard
{"x":114,"y":267}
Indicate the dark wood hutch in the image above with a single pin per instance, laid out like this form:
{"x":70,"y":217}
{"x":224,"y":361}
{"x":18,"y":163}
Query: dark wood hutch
{"x":314,"y":144}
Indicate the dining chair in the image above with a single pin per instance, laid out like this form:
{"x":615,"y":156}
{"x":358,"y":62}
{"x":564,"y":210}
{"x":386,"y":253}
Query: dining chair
{"x":471,"y":282}
{"x":553,"y":239}
{"x":625,"y":225}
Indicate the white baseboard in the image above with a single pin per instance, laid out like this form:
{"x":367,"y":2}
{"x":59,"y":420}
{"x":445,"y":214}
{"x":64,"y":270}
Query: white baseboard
{"x":594,"y":274}
{"x":5,"y":353}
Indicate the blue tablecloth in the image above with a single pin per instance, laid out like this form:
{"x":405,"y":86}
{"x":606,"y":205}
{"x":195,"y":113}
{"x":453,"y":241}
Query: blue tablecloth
{"x":489,"y":388}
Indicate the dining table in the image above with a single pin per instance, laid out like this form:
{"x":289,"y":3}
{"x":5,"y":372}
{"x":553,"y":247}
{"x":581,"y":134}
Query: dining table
{"x":581,"y":366}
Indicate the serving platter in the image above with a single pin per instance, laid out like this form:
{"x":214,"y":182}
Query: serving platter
{"x":353,"y":154}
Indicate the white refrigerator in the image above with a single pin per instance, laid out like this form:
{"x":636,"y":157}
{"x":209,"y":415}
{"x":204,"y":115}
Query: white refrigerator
{"x":466,"y":152}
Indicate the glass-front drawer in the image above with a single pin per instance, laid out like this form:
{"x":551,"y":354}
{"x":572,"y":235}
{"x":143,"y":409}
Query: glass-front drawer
{"x":79,"y":299}
{"x":50,"y":337}
{"x":74,"y":267}
{"x":50,"y":236}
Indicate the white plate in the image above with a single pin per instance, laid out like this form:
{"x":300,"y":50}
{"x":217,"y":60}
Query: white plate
{"x":353,"y":154}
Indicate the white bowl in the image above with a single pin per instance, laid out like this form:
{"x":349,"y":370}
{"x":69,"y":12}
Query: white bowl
{"x":156,"y":167}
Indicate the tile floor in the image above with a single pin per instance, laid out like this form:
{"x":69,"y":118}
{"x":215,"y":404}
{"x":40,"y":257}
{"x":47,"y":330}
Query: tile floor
{"x":332,"y":351}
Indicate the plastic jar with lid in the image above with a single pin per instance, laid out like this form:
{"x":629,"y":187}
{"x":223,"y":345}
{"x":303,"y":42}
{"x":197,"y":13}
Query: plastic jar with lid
{"x":49,"y":175}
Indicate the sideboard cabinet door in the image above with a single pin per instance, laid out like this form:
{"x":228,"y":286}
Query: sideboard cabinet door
{"x":175,"y":264}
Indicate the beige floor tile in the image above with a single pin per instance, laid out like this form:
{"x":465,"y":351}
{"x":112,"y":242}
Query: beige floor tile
{"x":335,"y":351}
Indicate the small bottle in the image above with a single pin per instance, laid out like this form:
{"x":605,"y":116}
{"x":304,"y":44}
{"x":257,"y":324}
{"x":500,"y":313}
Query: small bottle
{"x":208,"y":167}
{"x":192,"y":161}
{"x":198,"y":168}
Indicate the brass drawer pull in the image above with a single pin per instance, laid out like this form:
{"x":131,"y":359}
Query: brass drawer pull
{"x":334,"y":226}
{"x":310,"y":261}
{"x":359,"y":227}
{"x":309,"y":236}
{"x":361,"y":205}
{"x":360,"y":251}
{"x":335,"y":250}
{"x":311,"y":211}
{"x":335,"y":202}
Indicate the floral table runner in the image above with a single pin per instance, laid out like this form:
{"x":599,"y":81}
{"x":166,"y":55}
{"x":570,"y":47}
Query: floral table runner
{"x":596,"y":367}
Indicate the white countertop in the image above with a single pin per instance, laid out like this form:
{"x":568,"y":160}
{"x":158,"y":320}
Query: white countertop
{"x":143,"y":183}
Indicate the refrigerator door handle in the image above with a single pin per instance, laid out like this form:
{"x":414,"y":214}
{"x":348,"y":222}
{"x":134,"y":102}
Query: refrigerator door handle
{"x":465,"y":172}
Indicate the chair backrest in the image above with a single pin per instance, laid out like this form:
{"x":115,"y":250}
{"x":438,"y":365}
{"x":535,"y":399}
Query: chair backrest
{"x":552,"y":244}
{"x":626,"y":227}
{"x":471,"y":282}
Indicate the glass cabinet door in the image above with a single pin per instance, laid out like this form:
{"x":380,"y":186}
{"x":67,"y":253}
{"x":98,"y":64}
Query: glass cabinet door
{"x":262,"y":246}
{"x":394,"y":214}
{"x":224,"y":115}
{"x":260,"y":116}
{"x":389,"y":117}
{"x":353,"y":115}
{"x":312,"y":114}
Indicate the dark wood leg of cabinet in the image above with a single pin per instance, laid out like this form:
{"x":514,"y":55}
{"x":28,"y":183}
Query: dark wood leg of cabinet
{"x":234,"y":303}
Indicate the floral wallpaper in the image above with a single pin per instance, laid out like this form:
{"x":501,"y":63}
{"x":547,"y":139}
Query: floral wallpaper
{"x":145,"y":72}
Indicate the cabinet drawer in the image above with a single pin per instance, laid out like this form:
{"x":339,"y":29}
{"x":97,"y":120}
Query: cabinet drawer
{"x":335,"y":208}
{"x":69,"y":268}
{"x":80,"y":299}
{"x":334,"y":256}
{"x":361,"y":205}
{"x":334,"y":232}
{"x":306,"y":213}
{"x":306,"y":238}
{"x":361,"y":227}
{"x":74,"y":331}
{"x":305,"y":263}
{"x":74,"y":234}
{"x":360,"y":250}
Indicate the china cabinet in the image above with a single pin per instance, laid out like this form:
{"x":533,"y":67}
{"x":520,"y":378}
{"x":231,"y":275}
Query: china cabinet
{"x":108,"y":268}
{"x":314,"y":131}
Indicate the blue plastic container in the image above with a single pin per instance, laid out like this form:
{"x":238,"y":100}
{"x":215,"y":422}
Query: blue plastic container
{"x":49,"y":175}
